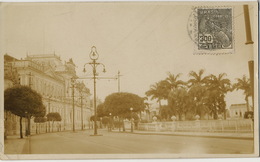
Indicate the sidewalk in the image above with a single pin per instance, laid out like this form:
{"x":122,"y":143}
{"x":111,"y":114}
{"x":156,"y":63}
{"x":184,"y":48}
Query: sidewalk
{"x":16,"y":145}
{"x":249,"y":136}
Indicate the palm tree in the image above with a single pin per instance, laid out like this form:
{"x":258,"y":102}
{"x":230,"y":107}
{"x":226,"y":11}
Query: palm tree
{"x":218,"y":86}
{"x":159,"y":91}
{"x":147,"y":107}
{"x":197,"y":85}
{"x":197,"y":77}
{"x":180,"y":99}
{"x":244,"y":85}
{"x":174,"y":83}
{"x":198,"y":95}
{"x":154,"y":93}
{"x":166,"y":112}
{"x":173,"y":80}
{"x":220,"y":83}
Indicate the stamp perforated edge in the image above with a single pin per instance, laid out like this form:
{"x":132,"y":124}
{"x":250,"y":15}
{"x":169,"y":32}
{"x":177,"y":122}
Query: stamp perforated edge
{"x":195,"y":32}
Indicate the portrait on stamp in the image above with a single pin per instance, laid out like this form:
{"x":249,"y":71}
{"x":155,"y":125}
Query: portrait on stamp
{"x":215,"y":28}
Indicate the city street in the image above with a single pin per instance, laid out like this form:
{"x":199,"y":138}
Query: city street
{"x":124,"y":143}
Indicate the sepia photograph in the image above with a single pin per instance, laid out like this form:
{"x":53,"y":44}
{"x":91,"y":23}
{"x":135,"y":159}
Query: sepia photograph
{"x":129,"y":80}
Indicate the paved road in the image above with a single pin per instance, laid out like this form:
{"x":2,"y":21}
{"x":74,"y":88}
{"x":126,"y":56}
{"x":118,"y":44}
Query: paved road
{"x":125,"y":143}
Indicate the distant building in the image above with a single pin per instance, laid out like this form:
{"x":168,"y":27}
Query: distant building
{"x":47,"y":75}
{"x":237,"y":110}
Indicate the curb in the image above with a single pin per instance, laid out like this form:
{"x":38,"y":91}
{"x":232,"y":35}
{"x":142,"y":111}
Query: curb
{"x":189,"y":135}
{"x":195,"y":135}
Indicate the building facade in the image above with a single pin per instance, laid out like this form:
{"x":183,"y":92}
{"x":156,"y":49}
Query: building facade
{"x":237,"y":110}
{"x":58,"y":85}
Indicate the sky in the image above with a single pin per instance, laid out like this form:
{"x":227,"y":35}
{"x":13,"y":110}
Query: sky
{"x":143,"y":40}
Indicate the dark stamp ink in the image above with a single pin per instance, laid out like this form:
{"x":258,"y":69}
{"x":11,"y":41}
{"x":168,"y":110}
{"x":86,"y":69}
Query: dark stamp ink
{"x":214,"y":28}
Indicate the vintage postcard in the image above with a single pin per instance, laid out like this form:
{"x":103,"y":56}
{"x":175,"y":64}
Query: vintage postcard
{"x":129,"y":80}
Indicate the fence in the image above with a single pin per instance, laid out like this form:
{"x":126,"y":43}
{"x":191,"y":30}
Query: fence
{"x":243,"y":125}
{"x":13,"y":128}
{"x":57,"y":127}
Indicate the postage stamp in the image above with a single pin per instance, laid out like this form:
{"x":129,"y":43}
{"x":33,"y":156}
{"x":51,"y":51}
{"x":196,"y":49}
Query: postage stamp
{"x":212,"y":30}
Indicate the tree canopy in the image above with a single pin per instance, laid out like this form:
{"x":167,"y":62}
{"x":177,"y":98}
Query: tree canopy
{"x":23,"y":101}
{"x":40,"y":119}
{"x":53,"y":116}
{"x":119,"y":104}
{"x":101,"y":111}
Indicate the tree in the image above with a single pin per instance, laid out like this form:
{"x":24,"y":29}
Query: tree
{"x":197,"y":85}
{"x":39,"y":120}
{"x":181,"y":101}
{"x":244,"y":85}
{"x":101,"y":111}
{"x":147,"y":107}
{"x":173,"y":80}
{"x":197,"y":78}
{"x":53,"y":116}
{"x":119,"y":104}
{"x":105,"y":120}
{"x":23,"y":102}
{"x":174,"y":83}
{"x":218,"y":86}
{"x":159,"y":91}
{"x":166,"y":112}
{"x":154,"y":93}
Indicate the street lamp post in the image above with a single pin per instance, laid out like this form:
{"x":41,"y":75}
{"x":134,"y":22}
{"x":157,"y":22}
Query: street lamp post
{"x":94,"y":56}
{"x":132,"y":129}
{"x":110,"y":123}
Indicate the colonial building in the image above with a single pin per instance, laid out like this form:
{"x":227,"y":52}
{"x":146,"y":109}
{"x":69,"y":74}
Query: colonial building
{"x":57,"y":83}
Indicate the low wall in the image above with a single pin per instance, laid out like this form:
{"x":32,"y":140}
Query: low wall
{"x":243,"y":125}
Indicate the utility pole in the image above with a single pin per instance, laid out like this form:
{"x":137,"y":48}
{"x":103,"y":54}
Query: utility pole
{"x":49,"y":107}
{"x":81,"y":104}
{"x":118,"y":80}
{"x":248,"y":42}
{"x":28,"y":117}
{"x":73,"y":106}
